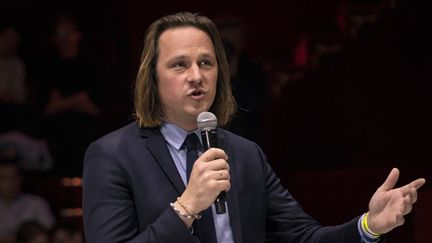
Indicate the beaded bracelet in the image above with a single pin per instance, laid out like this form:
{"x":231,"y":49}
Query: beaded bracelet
{"x":196,"y":216}
{"x":180,"y":213}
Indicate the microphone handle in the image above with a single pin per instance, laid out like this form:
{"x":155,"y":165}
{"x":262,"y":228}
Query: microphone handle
{"x":220,"y":203}
{"x":209,"y":139}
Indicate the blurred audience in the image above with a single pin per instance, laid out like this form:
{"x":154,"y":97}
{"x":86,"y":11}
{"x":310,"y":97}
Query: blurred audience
{"x":34,"y":154}
{"x":32,"y":232}
{"x":17,"y":207}
{"x":70,"y":86}
{"x":248,"y":81}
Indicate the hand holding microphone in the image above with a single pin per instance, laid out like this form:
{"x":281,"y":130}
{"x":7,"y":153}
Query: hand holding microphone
{"x":207,"y":123}
{"x":210,"y":176}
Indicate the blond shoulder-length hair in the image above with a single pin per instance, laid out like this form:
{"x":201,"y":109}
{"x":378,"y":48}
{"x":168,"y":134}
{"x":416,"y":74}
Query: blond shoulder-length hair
{"x":148,"y":109}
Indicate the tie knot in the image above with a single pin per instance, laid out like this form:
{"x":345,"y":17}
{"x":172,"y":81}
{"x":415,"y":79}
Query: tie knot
{"x":192,"y":142}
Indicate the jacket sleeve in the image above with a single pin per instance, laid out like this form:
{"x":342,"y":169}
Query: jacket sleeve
{"x":109,"y":208}
{"x":287,"y":222}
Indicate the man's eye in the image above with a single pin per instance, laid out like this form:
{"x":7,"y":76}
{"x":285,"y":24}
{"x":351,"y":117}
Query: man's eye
{"x":179,"y":65}
{"x":205,"y":63}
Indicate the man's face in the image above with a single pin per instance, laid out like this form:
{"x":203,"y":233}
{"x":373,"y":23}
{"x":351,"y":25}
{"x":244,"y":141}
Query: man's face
{"x":186,"y":73}
{"x":10,"y":181}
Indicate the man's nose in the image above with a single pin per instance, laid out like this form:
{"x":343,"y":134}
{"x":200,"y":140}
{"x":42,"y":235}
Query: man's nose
{"x":195,"y":74}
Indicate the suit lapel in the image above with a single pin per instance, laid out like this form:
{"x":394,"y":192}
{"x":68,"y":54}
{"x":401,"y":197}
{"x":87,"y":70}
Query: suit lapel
{"x":232,"y":195}
{"x":156,"y":144}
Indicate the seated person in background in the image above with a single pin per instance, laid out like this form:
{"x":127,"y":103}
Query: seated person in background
{"x":17,"y":207}
{"x":70,"y":84}
{"x":32,"y":232}
{"x":33,"y":153}
{"x":71,"y":76}
{"x":13,"y":87}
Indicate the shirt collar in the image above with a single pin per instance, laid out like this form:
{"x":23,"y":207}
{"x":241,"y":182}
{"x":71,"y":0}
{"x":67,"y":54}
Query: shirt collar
{"x":175,"y":135}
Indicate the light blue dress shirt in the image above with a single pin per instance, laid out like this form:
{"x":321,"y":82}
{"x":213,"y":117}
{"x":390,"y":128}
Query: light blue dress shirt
{"x":175,"y":137}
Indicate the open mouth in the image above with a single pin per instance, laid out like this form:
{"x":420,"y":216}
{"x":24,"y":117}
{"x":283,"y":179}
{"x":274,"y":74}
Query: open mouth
{"x":197,"y":93}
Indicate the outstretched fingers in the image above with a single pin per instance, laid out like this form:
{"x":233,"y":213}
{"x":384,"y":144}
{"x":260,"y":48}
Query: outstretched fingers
{"x":414,"y":185}
{"x":389,"y":205}
{"x":391,"y":180}
{"x":409,"y":193}
{"x":417,"y":183}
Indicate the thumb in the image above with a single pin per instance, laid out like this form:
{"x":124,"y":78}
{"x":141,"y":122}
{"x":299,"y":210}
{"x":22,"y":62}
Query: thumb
{"x":391,"y":180}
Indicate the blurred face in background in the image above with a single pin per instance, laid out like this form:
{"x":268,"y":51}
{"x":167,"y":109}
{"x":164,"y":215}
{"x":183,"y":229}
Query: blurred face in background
{"x":9,"y":41}
{"x":10,"y":182}
{"x":67,"y":38}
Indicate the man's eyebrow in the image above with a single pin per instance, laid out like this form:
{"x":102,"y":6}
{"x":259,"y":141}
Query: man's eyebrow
{"x":207,"y":55}
{"x":180,"y":57}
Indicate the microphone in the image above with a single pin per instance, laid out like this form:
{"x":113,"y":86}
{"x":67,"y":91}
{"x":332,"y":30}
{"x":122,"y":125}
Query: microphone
{"x":207,"y":123}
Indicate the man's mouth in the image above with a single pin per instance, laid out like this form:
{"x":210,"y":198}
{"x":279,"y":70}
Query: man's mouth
{"x":196,"y":94}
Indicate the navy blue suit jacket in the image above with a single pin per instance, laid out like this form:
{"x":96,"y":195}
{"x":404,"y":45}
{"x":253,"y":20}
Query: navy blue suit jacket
{"x":130,"y":179}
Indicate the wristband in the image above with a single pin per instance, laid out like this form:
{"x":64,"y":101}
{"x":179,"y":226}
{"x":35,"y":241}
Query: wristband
{"x":365,"y":226}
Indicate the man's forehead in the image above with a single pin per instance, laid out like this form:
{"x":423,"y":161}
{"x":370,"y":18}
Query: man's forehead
{"x":179,"y":41}
{"x":186,"y":35}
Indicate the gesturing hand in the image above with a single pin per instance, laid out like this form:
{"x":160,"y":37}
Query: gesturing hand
{"x":388,"y":206}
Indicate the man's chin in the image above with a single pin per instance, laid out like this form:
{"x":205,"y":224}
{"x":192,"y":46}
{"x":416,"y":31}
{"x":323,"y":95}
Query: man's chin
{"x":196,"y":111}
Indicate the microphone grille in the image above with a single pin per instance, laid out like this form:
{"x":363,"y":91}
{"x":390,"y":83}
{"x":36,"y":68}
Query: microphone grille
{"x":206,"y":121}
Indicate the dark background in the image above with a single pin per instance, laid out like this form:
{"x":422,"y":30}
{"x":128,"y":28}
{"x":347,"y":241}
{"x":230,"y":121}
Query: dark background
{"x":332,"y":129}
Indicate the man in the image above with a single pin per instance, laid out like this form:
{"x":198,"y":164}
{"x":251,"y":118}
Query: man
{"x":137,"y":187}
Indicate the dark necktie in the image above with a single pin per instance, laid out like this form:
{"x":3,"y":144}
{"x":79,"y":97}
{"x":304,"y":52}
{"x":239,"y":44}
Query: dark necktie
{"x":204,"y":228}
